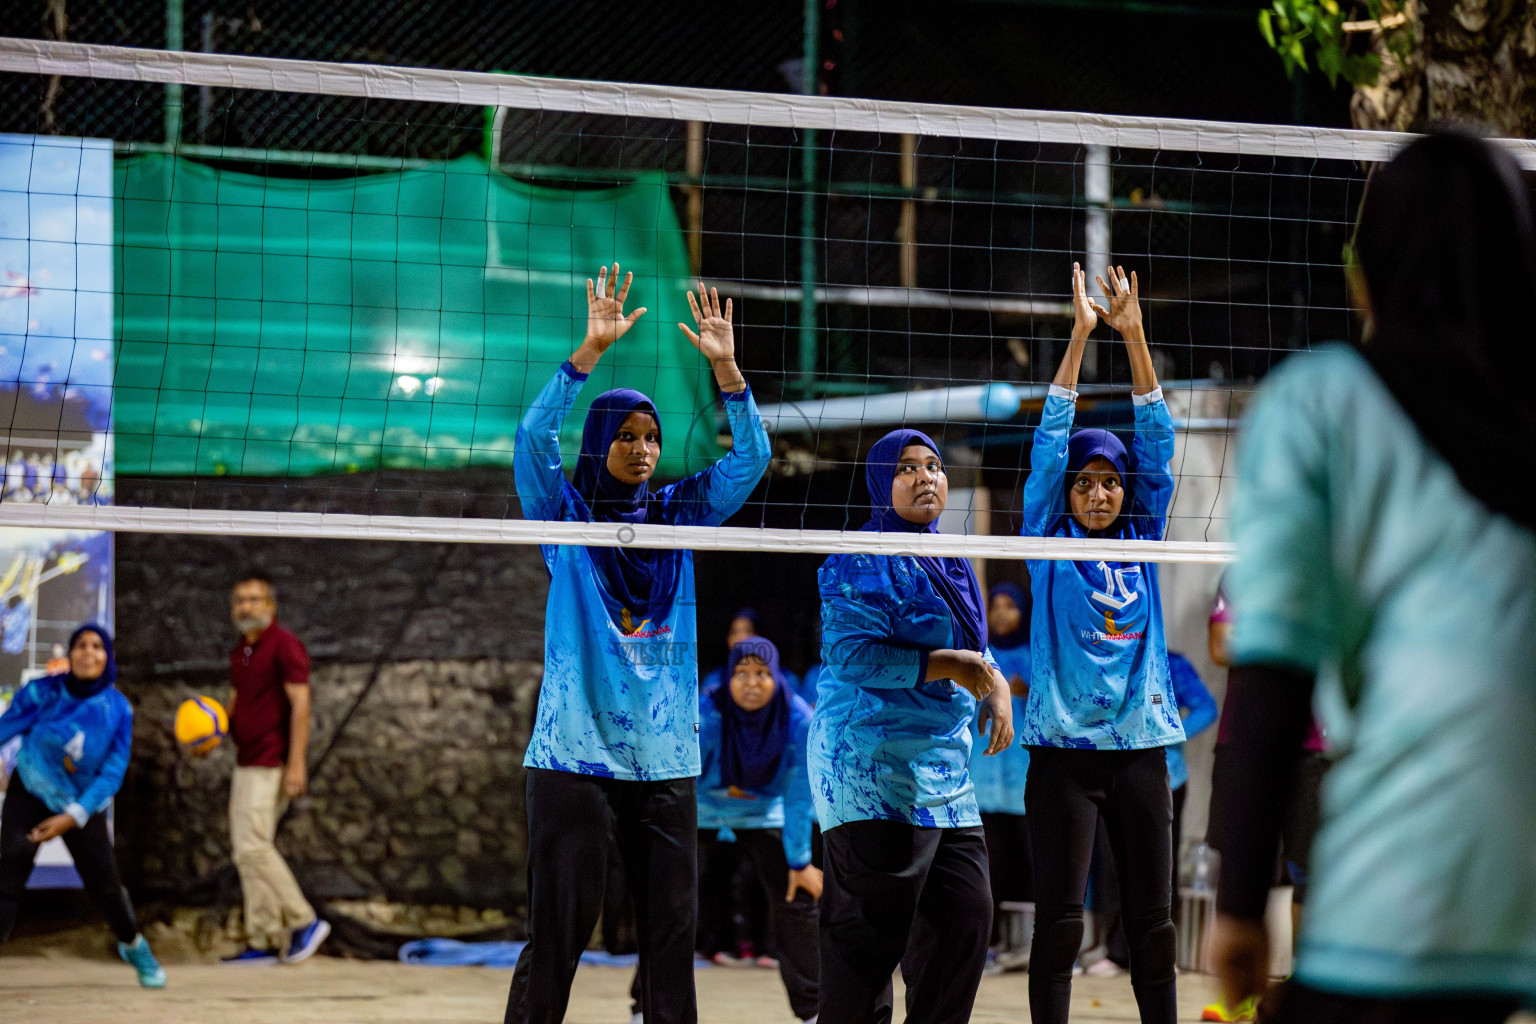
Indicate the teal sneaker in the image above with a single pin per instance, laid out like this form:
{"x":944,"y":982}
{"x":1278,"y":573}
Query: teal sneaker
{"x":151,"y":974}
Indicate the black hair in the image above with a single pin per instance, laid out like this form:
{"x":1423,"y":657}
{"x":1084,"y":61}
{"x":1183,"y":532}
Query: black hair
{"x":1446,"y":243}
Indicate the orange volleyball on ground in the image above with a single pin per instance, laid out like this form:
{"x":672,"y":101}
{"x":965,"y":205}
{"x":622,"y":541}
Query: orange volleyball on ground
{"x":201,"y":723}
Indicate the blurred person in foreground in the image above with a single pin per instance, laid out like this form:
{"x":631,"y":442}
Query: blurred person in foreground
{"x":1386,"y":557}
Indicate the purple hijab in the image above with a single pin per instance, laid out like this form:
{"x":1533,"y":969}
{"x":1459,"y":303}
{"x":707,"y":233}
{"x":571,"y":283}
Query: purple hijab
{"x":1020,"y":636}
{"x":752,"y":742}
{"x":953,"y":578}
{"x":643,"y":580}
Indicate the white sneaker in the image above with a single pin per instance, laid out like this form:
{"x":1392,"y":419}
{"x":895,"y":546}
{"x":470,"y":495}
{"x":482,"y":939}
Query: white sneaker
{"x":1104,"y":968}
{"x":811,"y":1019}
{"x":637,"y":1018}
{"x":1012,"y":960}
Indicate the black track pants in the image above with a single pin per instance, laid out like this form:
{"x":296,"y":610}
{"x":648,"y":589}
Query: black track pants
{"x":899,"y":894}
{"x":1067,"y":792}
{"x":568,"y":822}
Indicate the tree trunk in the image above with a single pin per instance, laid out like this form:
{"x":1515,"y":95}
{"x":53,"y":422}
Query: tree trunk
{"x":1473,"y":61}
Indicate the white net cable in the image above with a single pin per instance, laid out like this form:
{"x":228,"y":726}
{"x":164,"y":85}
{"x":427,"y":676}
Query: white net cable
{"x":1172,"y":186}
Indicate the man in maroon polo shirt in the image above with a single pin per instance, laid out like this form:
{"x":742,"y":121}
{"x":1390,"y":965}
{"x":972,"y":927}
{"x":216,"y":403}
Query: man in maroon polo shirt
{"x":269,"y":721}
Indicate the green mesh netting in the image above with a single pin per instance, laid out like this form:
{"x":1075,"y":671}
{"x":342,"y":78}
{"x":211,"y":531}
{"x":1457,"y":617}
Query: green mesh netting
{"x":282,"y":327}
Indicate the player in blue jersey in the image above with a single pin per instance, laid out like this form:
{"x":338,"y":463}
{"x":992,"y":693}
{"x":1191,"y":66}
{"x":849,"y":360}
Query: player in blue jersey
{"x":1100,"y":708}
{"x":755,"y":798}
{"x":906,"y":668}
{"x":76,"y":730}
{"x":999,"y":781}
{"x":616,"y":732}
{"x":744,"y":626}
{"x":1386,"y":543}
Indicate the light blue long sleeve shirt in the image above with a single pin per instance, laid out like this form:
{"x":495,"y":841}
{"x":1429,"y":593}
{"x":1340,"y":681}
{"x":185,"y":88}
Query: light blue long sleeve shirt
{"x":999,"y":780}
{"x":1188,"y":692}
{"x":74,"y":751}
{"x":1099,"y":675}
{"x":784,"y":804}
{"x":1361,"y":557}
{"x":613,"y":703}
{"x":884,"y":744}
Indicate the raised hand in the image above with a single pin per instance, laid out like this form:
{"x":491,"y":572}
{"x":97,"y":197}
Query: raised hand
{"x":715,"y":339}
{"x":606,"y":322}
{"x":1084,"y":316}
{"x":1124,"y":294}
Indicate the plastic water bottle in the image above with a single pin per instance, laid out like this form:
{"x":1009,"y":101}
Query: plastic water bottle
{"x":1202,"y":861}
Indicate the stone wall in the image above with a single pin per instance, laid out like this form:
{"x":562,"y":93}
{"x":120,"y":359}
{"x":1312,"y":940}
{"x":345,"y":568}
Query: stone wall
{"x":421,"y":798}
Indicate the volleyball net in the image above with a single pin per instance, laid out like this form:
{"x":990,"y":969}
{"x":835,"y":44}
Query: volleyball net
{"x":294,"y":298}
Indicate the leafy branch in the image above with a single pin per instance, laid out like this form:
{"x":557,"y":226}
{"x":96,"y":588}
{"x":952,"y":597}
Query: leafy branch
{"x":1323,"y":30}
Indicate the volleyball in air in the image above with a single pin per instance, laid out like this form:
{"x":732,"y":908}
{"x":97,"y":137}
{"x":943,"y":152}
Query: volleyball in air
{"x":201,"y":723}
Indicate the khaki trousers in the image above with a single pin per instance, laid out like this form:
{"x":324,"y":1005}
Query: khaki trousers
{"x":274,"y":906}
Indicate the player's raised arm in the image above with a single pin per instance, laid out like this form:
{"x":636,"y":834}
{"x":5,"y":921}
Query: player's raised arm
{"x":1124,"y":315}
{"x":715,"y":338}
{"x":1085,"y":318}
{"x":537,"y":469}
{"x":712,"y":496}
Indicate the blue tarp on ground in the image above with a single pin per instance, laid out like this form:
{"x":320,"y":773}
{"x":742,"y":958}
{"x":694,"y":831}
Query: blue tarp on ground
{"x":453,"y":953}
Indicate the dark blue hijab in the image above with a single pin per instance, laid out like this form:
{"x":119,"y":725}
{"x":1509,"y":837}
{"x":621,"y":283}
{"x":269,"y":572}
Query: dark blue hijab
{"x":752,"y":742}
{"x":83,"y":688}
{"x":1096,"y":443}
{"x":953,"y":578}
{"x":749,"y":613}
{"x":643,"y":580}
{"x":1020,"y":636}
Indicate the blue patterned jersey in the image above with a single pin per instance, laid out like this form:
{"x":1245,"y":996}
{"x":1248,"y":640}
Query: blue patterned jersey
{"x":73,"y":751}
{"x":1099,"y":673}
{"x":785,"y":803}
{"x":1188,"y":692}
{"x":620,"y":698}
{"x":885,"y":744}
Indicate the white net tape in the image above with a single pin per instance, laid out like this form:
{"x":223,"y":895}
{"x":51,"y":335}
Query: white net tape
{"x":339,"y":526}
{"x":384,"y":82}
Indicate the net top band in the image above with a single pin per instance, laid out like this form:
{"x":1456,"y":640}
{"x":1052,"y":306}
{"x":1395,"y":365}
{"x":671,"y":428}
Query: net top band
{"x":782,"y":110}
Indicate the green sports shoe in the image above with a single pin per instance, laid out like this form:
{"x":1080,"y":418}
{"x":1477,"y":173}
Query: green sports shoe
{"x":1246,"y":1010}
{"x":137,"y":954}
